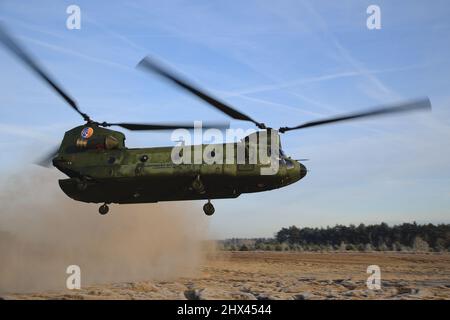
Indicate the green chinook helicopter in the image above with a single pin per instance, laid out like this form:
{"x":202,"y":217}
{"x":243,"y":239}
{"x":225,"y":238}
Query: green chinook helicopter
{"x":101,"y":169}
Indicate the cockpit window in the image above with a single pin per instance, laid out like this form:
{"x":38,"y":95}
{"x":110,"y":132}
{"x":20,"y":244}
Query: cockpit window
{"x":289,"y":163}
{"x":284,"y":160}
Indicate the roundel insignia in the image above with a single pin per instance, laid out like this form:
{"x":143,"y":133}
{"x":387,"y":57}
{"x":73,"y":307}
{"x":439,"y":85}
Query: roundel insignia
{"x":87,"y":132}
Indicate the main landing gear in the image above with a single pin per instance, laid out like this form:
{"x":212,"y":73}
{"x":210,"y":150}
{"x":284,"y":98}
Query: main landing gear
{"x":208,"y":208}
{"x":103,"y":209}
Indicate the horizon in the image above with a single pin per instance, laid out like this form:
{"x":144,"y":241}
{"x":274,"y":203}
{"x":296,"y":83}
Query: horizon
{"x":327,"y":227}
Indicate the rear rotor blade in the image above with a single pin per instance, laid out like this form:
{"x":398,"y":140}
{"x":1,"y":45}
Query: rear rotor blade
{"x":46,"y":161}
{"x":151,"y":65}
{"x":165,"y":126}
{"x":26,"y":58}
{"x":415,"y":105}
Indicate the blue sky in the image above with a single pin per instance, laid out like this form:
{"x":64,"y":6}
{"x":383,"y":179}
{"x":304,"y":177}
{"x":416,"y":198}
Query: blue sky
{"x":283,"y":63}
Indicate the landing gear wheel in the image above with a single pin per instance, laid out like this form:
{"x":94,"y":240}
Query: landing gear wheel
{"x":103,"y":209}
{"x":208,"y":208}
{"x":198,"y":186}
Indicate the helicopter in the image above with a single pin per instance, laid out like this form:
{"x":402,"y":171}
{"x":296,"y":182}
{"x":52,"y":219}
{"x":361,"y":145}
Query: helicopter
{"x":101,"y":169}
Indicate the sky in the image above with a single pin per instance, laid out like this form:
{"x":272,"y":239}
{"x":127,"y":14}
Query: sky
{"x":282,"y":63}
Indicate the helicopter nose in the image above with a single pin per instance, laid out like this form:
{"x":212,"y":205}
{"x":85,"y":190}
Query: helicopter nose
{"x":303,"y":171}
{"x":297,"y":172}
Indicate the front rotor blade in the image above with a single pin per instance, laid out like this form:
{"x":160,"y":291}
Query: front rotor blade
{"x":167,"y":126}
{"x":151,"y":65}
{"x":415,"y":105}
{"x":26,"y":58}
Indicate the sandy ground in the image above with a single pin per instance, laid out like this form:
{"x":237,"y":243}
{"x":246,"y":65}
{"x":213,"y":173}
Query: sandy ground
{"x":283,"y":275}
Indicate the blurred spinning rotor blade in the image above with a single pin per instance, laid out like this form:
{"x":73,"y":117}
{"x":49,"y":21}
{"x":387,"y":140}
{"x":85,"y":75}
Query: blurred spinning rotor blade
{"x":165,"y":126}
{"x":423,"y":104}
{"x":46,"y":161}
{"x":26,"y":58}
{"x":150,"y":65}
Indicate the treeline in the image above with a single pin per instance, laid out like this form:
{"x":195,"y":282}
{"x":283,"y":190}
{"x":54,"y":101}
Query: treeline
{"x":379,"y":237}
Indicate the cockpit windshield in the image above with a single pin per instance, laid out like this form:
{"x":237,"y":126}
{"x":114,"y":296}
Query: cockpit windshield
{"x":285,"y":160}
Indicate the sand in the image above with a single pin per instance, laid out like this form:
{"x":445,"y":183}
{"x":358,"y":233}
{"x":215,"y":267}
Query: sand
{"x":286,"y":275}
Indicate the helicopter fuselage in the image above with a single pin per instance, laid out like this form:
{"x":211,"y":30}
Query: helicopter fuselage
{"x":102,"y":170}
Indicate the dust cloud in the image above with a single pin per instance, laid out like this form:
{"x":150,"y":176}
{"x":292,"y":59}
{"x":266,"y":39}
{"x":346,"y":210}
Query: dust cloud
{"x":42,"y":232}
